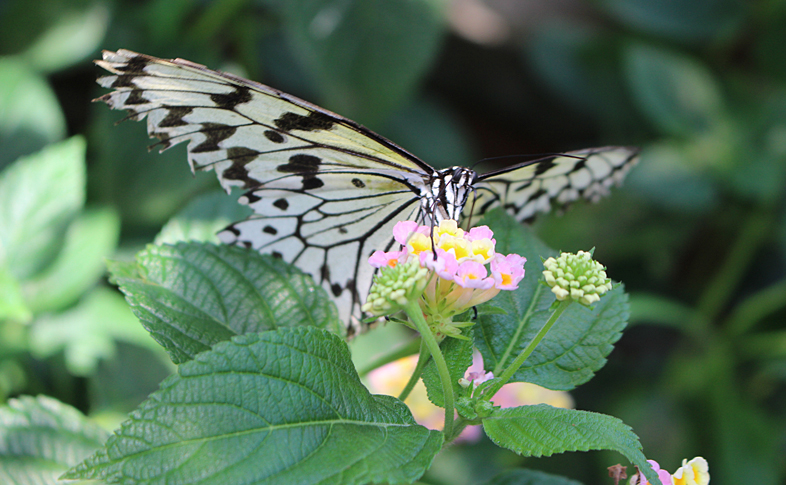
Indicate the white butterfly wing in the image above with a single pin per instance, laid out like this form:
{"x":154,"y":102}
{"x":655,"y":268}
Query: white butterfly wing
{"x":325,"y":190}
{"x":526,"y":189}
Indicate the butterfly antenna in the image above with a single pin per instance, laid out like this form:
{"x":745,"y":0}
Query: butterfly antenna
{"x":531,"y":157}
{"x":472,"y":209}
{"x":431,"y":235}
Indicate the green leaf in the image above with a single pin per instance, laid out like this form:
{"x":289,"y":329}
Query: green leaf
{"x":678,"y":94}
{"x":88,"y":332}
{"x":367,"y":56}
{"x":655,"y":309}
{"x":89,"y":240}
{"x":670,"y":178}
{"x":76,"y":35}
{"x":12,"y":304}
{"x":40,"y":438}
{"x":203,"y":218}
{"x":522,"y":476}
{"x":458,"y":356}
{"x":30,"y":114}
{"x":697,"y":20}
{"x":574,"y":349}
{"x":278,"y":407}
{"x":543,"y":430}
{"x":193,"y":295}
{"x":39,"y":195}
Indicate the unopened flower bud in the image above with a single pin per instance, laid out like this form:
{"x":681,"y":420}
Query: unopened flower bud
{"x":576,"y":276}
{"x":395,"y":286}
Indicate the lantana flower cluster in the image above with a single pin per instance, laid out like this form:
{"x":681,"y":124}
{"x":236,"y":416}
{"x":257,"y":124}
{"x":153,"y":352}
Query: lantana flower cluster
{"x":693,"y":472}
{"x":464,"y":269}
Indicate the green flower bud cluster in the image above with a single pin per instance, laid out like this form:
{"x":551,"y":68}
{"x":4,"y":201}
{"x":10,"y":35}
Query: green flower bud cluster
{"x":394,"y":286}
{"x":576,"y":276}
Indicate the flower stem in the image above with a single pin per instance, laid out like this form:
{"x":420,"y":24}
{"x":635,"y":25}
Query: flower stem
{"x":422,"y":361}
{"x":519,"y":361}
{"x":416,"y":317}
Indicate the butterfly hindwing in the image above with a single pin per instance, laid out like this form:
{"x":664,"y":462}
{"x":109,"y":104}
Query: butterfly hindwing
{"x":526,"y":189}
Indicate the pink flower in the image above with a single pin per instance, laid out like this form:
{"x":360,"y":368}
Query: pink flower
{"x":381,"y":259}
{"x":402,"y":231}
{"x":507,"y":271}
{"x":445,"y":265}
{"x":471,"y":274}
{"x":663,"y":475}
{"x":480,"y":232}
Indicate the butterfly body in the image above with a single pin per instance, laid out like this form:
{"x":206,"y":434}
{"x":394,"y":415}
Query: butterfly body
{"x":325,"y":191}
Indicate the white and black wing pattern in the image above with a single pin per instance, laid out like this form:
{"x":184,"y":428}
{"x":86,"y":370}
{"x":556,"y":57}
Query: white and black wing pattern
{"x":526,"y":189}
{"x":325,"y":191}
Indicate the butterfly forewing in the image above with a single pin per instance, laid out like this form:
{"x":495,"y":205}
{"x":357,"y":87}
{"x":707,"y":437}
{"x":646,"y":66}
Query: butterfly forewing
{"x":326,"y":192}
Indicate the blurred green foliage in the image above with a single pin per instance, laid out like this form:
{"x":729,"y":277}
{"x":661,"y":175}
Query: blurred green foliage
{"x":698,"y":233}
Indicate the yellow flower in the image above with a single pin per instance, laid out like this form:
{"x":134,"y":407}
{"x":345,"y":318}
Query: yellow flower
{"x":694,"y":472}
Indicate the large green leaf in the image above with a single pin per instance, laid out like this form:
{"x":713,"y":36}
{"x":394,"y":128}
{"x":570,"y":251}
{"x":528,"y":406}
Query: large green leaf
{"x":696,"y":20}
{"x":367,"y":56}
{"x":89,"y":240}
{"x":676,"y":93}
{"x":278,"y":407}
{"x":12,"y":304}
{"x":194,"y":295}
{"x":543,"y":430}
{"x":39,"y":195}
{"x":522,"y":476}
{"x":574,"y":349}
{"x":88,"y":332}
{"x":30,"y":114}
{"x":75,"y":35}
{"x":40,"y":438}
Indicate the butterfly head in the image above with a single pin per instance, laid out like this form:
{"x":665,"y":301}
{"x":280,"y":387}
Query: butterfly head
{"x":449,"y":189}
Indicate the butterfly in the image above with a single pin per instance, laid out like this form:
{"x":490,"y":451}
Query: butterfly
{"x":326,"y":191}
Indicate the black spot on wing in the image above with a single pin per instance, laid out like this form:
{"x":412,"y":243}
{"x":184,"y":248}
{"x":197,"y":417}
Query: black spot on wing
{"x":252,"y":197}
{"x":342,"y":230}
{"x":311,"y":182}
{"x":175,"y":116}
{"x":358,"y":183}
{"x":581,"y":163}
{"x":336,"y":289}
{"x":135,"y":65}
{"x":302,"y":164}
{"x":313,"y":122}
{"x":124,"y":81}
{"x":241,"y":155}
{"x":277,"y":255}
{"x":136,"y":97}
{"x":240,"y":95}
{"x":281,"y":204}
{"x":274,"y":136}
{"x":538,"y":194}
{"x":544,"y":166}
{"x":164,"y":142}
{"x":270,"y":230}
{"x":214,"y":133}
